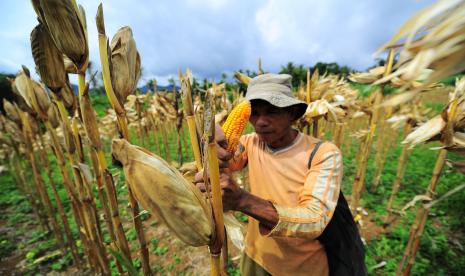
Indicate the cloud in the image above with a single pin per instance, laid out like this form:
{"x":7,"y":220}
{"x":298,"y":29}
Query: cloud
{"x":220,"y":36}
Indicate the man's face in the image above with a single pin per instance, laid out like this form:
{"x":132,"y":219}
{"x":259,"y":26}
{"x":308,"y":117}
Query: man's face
{"x":271,"y":123}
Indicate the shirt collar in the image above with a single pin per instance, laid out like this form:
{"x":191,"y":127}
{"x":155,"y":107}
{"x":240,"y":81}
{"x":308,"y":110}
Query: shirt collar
{"x":275,"y":151}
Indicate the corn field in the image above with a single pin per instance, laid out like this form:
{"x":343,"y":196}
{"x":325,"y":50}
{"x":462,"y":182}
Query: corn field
{"x":107,"y":189}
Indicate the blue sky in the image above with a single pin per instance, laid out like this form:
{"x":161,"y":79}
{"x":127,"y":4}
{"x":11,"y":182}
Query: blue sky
{"x":220,"y":36}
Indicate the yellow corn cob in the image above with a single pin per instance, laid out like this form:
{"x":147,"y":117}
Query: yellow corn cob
{"x":235,"y":124}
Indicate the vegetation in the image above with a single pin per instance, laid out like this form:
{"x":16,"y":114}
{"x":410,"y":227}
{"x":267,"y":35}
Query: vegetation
{"x":68,"y":206}
{"x":443,"y":236}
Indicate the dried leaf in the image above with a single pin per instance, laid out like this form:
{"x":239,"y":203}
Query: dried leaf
{"x":48,"y":59}
{"x":414,"y":201}
{"x":426,"y":131}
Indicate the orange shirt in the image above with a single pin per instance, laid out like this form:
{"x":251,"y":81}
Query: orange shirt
{"x":305,"y":200}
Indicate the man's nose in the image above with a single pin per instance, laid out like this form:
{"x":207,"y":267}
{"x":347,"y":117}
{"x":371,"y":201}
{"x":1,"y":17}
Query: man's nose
{"x":262,"y":121}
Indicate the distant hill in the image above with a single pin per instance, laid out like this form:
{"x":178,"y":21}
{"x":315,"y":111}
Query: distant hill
{"x":142,"y":89}
{"x":169,"y":87}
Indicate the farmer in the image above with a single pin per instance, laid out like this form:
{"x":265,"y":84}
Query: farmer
{"x":300,"y":223}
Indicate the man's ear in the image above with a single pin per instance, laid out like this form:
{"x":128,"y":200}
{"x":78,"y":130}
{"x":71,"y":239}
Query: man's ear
{"x":294,"y":111}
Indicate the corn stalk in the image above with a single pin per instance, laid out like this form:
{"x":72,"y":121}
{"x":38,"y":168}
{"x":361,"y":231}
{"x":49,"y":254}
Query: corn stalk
{"x":61,"y":211}
{"x":38,"y":180}
{"x":124,"y":132}
{"x":364,"y":154}
{"x":90,"y":224}
{"x":383,"y":145}
{"x":105,"y":187}
{"x":190,"y":118}
{"x":416,"y":231}
{"x":212,"y":173}
{"x":401,"y":164}
{"x":359,"y":181}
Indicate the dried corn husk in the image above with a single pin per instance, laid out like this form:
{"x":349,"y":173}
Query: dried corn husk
{"x":434,"y":38}
{"x":70,"y":144}
{"x":48,"y":59}
{"x":436,"y":127}
{"x":70,"y":67}
{"x":53,"y":115}
{"x":368,"y":77}
{"x":12,"y":128}
{"x":186,"y":89}
{"x":34,"y":125}
{"x":11,"y":111}
{"x":320,"y":108}
{"x":160,"y":188}
{"x":244,"y":79}
{"x":426,"y":131}
{"x":67,"y":96}
{"x":62,"y":19}
{"x":20,"y":85}
{"x":125,"y":63}
{"x":90,"y":119}
{"x":42,"y":97}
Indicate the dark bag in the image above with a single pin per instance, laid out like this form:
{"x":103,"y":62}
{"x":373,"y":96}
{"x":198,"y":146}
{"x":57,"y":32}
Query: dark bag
{"x":341,"y":239}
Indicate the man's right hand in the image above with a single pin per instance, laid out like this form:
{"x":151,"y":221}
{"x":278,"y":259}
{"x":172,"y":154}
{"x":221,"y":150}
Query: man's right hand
{"x":221,"y":145}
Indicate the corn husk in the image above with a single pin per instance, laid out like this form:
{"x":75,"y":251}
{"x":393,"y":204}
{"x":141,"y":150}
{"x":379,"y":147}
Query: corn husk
{"x":33,"y":124}
{"x":160,"y":188}
{"x":67,"y":96}
{"x":186,"y":89}
{"x":434,"y":39}
{"x":11,"y":111}
{"x":48,"y":59}
{"x":20,"y":85}
{"x":53,"y":115}
{"x":125,"y":64}
{"x":90,"y":119}
{"x":436,"y":127}
{"x":320,"y":108}
{"x":244,"y":79}
{"x":368,"y":77}
{"x":42,"y":97}
{"x":12,"y":128}
{"x":426,"y":131}
{"x":62,"y":19}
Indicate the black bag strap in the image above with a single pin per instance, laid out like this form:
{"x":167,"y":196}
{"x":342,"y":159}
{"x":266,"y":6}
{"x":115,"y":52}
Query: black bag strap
{"x":344,"y":248}
{"x":315,"y":149}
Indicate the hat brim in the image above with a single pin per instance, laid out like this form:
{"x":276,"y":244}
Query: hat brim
{"x":279,"y":100}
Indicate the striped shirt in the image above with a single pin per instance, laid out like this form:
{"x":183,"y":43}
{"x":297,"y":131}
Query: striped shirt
{"x":304,"y":198}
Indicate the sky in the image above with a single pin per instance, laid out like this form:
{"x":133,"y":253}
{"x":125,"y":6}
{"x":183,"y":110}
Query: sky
{"x":215,"y":37}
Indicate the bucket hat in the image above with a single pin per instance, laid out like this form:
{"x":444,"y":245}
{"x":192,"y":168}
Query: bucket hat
{"x":276,"y":89}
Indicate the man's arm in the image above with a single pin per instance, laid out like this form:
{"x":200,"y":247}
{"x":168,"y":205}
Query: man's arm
{"x":317,"y":200}
{"x":237,"y":199}
{"x":260,"y":209}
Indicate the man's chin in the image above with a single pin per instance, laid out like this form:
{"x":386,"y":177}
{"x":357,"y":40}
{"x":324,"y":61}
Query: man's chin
{"x":264,"y":138}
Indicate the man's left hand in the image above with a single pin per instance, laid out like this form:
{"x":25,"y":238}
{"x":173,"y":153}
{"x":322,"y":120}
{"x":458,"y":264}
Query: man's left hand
{"x":230,"y":191}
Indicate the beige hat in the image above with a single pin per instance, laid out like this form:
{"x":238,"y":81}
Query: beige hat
{"x":275,"y":89}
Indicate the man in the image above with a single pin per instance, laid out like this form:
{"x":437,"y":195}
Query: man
{"x":295,"y":184}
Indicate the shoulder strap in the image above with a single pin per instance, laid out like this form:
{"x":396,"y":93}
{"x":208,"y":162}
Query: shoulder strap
{"x":315,"y":149}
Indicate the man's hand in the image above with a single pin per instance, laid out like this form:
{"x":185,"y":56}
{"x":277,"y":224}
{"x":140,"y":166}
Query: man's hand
{"x":230,"y":191}
{"x":221,"y":145}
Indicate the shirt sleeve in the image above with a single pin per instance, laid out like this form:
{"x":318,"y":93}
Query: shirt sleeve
{"x":317,"y":200}
{"x":239,"y":161}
